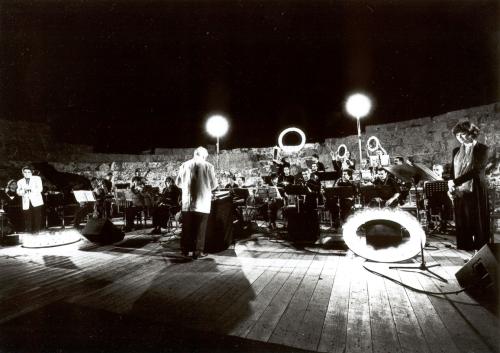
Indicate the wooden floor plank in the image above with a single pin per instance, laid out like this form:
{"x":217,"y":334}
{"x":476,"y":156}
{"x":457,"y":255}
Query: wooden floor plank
{"x":334,"y":331}
{"x":309,"y":331}
{"x":358,"y":313}
{"x":265,"y":325}
{"x":287,"y":328}
{"x":383,"y":328}
{"x":410,"y":336}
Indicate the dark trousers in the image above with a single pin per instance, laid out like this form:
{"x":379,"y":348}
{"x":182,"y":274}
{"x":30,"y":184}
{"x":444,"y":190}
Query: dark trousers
{"x":33,"y":219}
{"x":194,"y":226}
{"x":470,"y":232}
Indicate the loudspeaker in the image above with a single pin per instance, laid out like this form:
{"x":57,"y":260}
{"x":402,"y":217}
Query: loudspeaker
{"x":302,"y":226}
{"x":102,"y":231}
{"x":481,"y":272}
{"x":219,"y":234}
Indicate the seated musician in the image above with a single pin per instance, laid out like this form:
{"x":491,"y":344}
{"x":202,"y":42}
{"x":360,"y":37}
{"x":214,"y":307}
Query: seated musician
{"x":344,"y":203}
{"x":366,"y":172}
{"x":168,"y":203}
{"x":439,"y":203}
{"x":281,"y":165}
{"x":348,"y":162}
{"x":320,"y":167}
{"x":107,"y":185}
{"x":11,"y":204}
{"x":286,"y":178}
{"x":438,"y":169}
{"x":137,"y":205}
{"x":313,"y":185}
{"x":391,"y":197}
{"x":275,"y":202}
{"x":100,"y":197}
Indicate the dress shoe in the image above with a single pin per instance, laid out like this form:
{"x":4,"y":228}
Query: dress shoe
{"x":198,"y":254}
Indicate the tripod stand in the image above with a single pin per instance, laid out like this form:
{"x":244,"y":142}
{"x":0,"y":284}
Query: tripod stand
{"x":415,"y":173}
{"x":423,"y":266}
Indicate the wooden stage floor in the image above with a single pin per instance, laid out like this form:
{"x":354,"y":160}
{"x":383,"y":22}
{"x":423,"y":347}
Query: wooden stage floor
{"x":261,"y":295}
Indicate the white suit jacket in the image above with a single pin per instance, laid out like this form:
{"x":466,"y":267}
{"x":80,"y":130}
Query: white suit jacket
{"x":197,"y":179}
{"x":34,"y":196}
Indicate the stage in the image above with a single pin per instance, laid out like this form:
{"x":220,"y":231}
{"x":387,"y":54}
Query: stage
{"x":263,"y":294}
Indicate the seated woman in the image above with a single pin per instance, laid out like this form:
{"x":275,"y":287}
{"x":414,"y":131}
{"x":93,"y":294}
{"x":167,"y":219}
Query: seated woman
{"x":169,"y":202}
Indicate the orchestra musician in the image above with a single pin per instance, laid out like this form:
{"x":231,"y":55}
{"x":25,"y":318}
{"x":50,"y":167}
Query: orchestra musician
{"x":320,"y":167}
{"x":313,"y":185}
{"x":275,"y":202}
{"x":468,"y":188}
{"x":345,"y":203}
{"x":366,"y":172}
{"x":383,"y":179}
{"x":439,"y":203}
{"x":30,"y":189}
{"x":138,"y":203}
{"x":281,"y":165}
{"x":438,"y":169}
{"x":100,"y":197}
{"x":169,"y":202}
{"x":286,"y":178}
{"x":11,"y":204}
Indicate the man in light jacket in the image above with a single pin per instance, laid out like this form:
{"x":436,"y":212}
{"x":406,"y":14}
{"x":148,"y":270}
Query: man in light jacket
{"x":30,"y":189}
{"x":196,"y":178}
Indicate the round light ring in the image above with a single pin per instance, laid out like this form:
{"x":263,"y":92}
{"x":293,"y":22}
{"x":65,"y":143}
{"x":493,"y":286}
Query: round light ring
{"x":358,"y":105}
{"x":292,"y":148}
{"x":217,"y":126}
{"x":369,"y":143}
{"x":406,"y":250}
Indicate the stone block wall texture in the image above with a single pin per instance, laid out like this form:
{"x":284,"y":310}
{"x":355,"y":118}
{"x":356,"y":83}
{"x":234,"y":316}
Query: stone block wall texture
{"x":427,"y":140}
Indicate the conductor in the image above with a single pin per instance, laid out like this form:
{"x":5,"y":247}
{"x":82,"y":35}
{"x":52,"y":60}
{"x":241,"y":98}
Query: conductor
{"x":196,"y":178}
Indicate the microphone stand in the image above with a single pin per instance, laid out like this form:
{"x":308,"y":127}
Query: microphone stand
{"x":423,"y":265}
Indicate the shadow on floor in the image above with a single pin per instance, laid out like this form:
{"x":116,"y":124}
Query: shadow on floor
{"x":63,"y":327}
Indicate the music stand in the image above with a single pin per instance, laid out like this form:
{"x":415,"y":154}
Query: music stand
{"x":414,"y":174}
{"x":326,"y":176}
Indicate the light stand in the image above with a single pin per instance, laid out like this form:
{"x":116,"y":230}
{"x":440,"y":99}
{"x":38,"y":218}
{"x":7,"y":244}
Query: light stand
{"x":423,"y":266}
{"x":217,"y":127}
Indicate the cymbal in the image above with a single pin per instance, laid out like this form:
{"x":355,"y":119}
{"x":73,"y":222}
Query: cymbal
{"x":404,"y":172}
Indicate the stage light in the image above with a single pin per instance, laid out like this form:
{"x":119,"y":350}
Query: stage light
{"x":292,"y":148}
{"x":358,"y":105}
{"x":217,"y":127}
{"x":359,"y":244}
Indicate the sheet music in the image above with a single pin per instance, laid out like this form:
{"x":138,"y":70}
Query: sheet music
{"x":84,"y":196}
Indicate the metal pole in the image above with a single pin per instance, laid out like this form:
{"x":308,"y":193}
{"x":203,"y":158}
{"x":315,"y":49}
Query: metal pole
{"x":359,"y":143}
{"x":217,"y":160}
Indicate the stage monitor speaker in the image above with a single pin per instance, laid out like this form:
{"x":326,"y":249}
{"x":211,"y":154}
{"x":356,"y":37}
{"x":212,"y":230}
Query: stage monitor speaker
{"x":481,"y":272}
{"x":102,"y":231}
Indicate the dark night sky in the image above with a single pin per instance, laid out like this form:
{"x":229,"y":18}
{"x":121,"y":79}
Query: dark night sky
{"x":127,"y":76}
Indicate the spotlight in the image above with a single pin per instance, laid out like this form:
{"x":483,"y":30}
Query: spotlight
{"x":217,"y":127}
{"x":358,"y":106}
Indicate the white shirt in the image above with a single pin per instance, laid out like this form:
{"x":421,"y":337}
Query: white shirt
{"x":197,"y":179}
{"x":34,"y":195}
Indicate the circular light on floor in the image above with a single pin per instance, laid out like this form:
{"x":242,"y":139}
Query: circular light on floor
{"x":408,"y":247}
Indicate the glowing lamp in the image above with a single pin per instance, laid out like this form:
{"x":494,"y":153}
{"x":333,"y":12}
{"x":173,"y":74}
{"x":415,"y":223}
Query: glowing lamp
{"x":217,"y":126}
{"x":358,"y":105}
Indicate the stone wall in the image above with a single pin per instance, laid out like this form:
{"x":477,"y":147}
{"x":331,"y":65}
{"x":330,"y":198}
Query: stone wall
{"x":427,"y":140}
